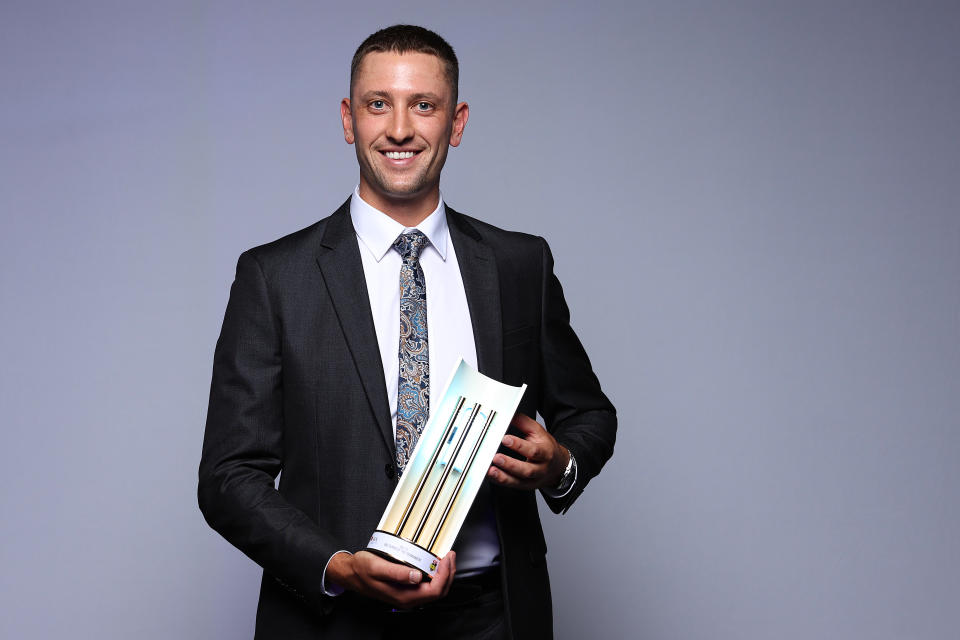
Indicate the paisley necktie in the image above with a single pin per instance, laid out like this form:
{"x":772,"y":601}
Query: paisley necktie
{"x":413,"y":389}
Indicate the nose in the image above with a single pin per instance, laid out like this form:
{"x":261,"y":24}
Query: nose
{"x":400,"y":128}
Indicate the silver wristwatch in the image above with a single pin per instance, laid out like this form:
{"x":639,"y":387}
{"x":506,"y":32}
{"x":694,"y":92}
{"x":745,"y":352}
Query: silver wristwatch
{"x":567,"y":476}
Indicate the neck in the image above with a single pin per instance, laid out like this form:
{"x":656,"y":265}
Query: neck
{"x":409,"y":212}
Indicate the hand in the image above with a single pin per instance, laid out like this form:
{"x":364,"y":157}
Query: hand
{"x":374,"y":577}
{"x":545,"y":459}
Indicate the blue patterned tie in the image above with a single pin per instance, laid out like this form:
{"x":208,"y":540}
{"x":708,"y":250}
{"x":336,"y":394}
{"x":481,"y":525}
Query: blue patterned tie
{"x":413,"y":390}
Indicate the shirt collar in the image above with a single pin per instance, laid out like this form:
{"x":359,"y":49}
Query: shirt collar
{"x":377,"y":231}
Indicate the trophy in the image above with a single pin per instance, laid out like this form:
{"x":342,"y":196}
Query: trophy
{"x":445,"y":470}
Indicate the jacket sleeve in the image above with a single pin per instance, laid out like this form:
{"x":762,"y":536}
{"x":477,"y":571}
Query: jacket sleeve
{"x":573,"y":406}
{"x":243,"y":446}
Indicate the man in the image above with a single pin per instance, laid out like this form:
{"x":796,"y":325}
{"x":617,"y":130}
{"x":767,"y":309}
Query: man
{"x":318,"y":343}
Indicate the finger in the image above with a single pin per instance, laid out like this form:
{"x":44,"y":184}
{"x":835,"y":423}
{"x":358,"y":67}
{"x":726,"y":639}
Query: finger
{"x":383,"y":570}
{"x":504,"y":479}
{"x":453,"y":571}
{"x":519,"y":469}
{"x":439,"y":586}
{"x":396,"y":574}
{"x":445,"y":573}
{"x":399,"y":595}
{"x":526,"y":424}
{"x":525,"y":448}
{"x":444,"y":577}
{"x":406,"y":597}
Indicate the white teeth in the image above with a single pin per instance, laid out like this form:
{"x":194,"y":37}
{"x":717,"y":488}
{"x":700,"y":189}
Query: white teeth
{"x":399,"y":155}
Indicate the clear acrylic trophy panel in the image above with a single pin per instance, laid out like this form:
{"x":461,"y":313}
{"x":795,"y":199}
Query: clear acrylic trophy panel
{"x":446,"y":469}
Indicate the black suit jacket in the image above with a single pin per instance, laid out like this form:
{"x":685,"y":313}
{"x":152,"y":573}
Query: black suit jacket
{"x":298,"y":387}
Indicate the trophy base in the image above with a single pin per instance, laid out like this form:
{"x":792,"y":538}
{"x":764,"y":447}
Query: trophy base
{"x":404,"y":552}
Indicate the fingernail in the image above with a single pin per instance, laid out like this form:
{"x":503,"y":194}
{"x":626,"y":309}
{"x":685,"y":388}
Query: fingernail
{"x":414,"y":576}
{"x":507,"y":440}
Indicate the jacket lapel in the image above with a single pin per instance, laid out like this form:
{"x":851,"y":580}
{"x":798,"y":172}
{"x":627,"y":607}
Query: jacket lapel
{"x":481,"y":282}
{"x":339,"y":262}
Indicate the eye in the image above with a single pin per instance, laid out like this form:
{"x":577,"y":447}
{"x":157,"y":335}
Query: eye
{"x":378,"y":104}
{"x":424,"y":106}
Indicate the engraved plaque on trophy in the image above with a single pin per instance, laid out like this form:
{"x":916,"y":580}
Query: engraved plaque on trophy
{"x":445,"y":470}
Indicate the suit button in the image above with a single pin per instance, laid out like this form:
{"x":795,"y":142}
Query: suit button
{"x":390,"y":471}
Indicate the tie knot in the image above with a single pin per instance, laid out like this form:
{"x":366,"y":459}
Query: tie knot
{"x":409,"y":245}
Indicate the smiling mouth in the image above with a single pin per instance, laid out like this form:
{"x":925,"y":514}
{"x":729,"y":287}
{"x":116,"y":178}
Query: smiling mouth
{"x":399,"y":155}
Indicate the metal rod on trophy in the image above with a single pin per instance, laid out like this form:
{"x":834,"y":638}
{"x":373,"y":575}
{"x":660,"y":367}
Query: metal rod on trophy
{"x":460,"y":480}
{"x":429,"y":468}
{"x":446,"y":473}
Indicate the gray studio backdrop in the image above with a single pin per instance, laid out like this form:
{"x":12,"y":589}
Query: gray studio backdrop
{"x":755,"y":212}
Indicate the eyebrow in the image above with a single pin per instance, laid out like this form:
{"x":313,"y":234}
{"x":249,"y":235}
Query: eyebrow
{"x":427,"y":96}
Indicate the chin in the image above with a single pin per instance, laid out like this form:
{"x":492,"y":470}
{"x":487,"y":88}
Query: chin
{"x":404,"y":192}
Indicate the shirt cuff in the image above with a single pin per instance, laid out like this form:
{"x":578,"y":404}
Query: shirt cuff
{"x":333,"y":590}
{"x":565,"y":488}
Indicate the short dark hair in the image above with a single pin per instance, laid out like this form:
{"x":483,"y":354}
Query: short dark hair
{"x":404,"y":38}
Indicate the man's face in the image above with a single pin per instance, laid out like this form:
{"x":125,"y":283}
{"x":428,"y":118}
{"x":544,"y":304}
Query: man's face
{"x":401,"y":117}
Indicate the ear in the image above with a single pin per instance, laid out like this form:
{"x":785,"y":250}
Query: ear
{"x":460,"y":115}
{"x":347,"y":118}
